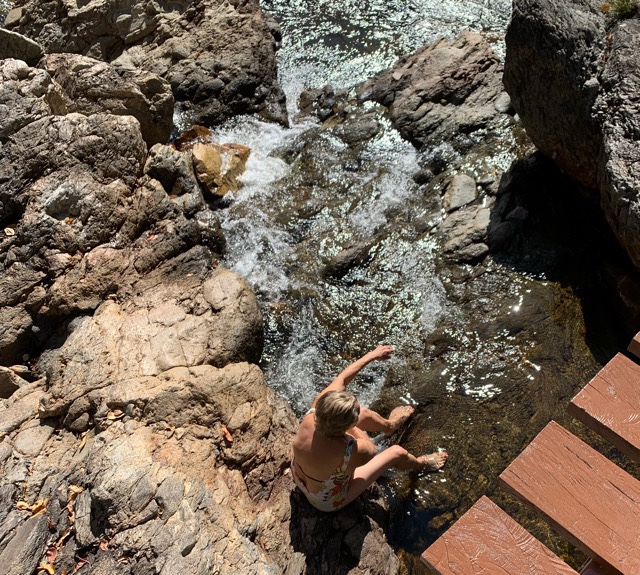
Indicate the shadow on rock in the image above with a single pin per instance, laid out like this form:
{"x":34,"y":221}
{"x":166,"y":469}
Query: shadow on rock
{"x":350,"y":541}
{"x":543,"y":224}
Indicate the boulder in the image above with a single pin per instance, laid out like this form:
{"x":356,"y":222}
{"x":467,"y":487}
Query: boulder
{"x":461,"y":191}
{"x":464,"y":233}
{"x":553,"y":82}
{"x":14,"y":45}
{"x":26,"y":95}
{"x":210,"y":317}
{"x":91,"y":87}
{"x":219,"y":165}
{"x":218,"y":56}
{"x":576,"y":91}
{"x":9,"y":382}
{"x":447,"y":88}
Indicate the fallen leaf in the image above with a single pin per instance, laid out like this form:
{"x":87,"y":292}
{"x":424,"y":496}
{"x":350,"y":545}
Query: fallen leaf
{"x":72,"y":494}
{"x":63,"y":537}
{"x":115,"y":414}
{"x":104,"y":545}
{"x":52,"y":553}
{"x":46,"y":567}
{"x":84,"y":440}
{"x":38,"y":507}
{"x":226,"y":434}
{"x":79,"y":565}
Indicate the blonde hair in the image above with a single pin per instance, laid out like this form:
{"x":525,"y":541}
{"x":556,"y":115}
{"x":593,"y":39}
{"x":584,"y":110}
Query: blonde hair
{"x":336,"y":411}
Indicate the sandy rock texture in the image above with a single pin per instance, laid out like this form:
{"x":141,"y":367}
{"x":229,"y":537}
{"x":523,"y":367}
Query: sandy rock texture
{"x":576,"y":90}
{"x":218,"y":56}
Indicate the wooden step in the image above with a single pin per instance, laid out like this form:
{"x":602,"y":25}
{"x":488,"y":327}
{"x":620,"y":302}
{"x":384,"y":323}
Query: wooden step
{"x":586,"y":497}
{"x":610,"y":405}
{"x":485,"y":540}
{"x":634,"y":346}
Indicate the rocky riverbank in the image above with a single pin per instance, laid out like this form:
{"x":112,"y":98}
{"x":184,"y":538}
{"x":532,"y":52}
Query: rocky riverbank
{"x":137,"y":434}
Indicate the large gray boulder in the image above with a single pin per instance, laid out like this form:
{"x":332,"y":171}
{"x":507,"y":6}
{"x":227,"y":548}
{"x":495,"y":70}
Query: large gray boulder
{"x":14,"y":45}
{"x":26,"y":95}
{"x":91,"y":86}
{"x":444,"y":89}
{"x":218,"y":56}
{"x":551,"y":72}
{"x":574,"y":78}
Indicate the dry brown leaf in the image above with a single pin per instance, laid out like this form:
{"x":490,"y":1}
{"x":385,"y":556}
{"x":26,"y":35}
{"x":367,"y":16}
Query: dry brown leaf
{"x":47,"y":567}
{"x":115,"y":414}
{"x":38,"y":507}
{"x":104,"y":545}
{"x":79,"y":565}
{"x":52,"y":553}
{"x":65,"y":535}
{"x":72,"y":493}
{"x":226,"y":434}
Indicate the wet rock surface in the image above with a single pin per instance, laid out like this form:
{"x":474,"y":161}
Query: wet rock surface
{"x":579,"y":101}
{"x":219,"y":57}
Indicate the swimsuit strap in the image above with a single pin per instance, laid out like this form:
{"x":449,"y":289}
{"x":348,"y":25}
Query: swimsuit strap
{"x":341,"y":468}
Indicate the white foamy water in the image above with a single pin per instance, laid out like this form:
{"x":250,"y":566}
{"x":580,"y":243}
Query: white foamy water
{"x":396,"y":299}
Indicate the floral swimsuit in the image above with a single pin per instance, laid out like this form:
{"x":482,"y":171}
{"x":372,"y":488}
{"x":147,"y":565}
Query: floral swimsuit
{"x":333,"y":491}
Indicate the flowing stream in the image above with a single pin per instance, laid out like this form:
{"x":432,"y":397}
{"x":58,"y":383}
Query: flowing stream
{"x":487,"y":354}
{"x":487,"y":358}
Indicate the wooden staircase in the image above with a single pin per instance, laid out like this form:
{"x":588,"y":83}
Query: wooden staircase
{"x":585,"y":497}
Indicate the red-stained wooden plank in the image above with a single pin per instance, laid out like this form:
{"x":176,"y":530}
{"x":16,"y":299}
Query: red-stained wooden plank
{"x":634,"y":346}
{"x":586,"y":497}
{"x":610,"y":405}
{"x":486,"y":541}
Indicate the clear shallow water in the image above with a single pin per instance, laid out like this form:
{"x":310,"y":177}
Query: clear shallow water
{"x":343,"y":43}
{"x":486,"y":360}
{"x":281,"y":231}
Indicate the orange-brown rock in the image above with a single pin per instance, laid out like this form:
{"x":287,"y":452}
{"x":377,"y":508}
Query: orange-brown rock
{"x":218,"y":166}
